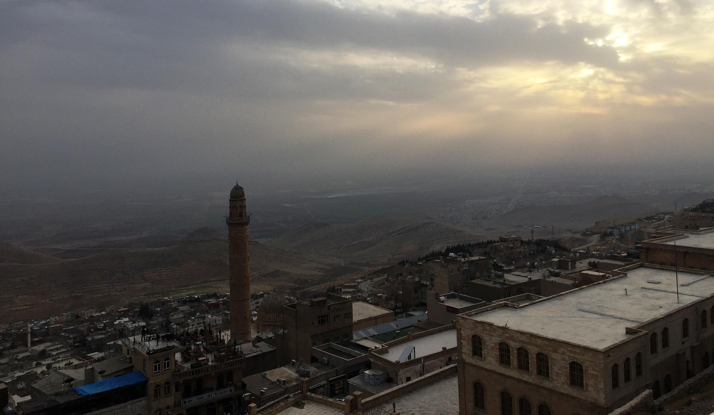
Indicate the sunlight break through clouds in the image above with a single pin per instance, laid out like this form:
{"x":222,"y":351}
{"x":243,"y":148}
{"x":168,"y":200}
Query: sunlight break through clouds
{"x":357,"y":85}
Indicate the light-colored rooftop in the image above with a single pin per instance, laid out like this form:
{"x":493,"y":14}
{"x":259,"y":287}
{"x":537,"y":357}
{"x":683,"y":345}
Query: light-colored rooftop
{"x":459,"y":302}
{"x":362,"y":310}
{"x":424,"y":346}
{"x":439,"y":398}
{"x":702,"y":240}
{"x":312,"y":408}
{"x":597,"y":316}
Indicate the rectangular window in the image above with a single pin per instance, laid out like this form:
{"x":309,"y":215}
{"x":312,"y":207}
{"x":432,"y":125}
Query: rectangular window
{"x":157,"y":366}
{"x":336,"y":317}
{"x":323,"y":319}
{"x":167,"y":364}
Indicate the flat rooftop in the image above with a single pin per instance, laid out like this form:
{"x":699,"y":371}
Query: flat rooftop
{"x":362,"y":310}
{"x":701,"y":240}
{"x":597,"y":316}
{"x":312,"y":408}
{"x":438,"y":398}
{"x":460,"y":303}
{"x":424,"y":346}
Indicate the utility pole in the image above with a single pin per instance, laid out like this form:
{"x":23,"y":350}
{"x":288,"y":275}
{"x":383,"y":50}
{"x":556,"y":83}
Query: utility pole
{"x":676,"y":270}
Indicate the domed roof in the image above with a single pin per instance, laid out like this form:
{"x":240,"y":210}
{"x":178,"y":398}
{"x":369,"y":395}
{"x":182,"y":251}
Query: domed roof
{"x":237,"y":192}
{"x":271,"y":304}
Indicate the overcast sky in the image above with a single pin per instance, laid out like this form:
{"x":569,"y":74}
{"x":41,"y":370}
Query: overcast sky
{"x":118,"y":89}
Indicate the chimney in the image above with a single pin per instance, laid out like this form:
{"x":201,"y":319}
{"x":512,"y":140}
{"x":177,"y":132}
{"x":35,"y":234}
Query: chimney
{"x":88,"y":375}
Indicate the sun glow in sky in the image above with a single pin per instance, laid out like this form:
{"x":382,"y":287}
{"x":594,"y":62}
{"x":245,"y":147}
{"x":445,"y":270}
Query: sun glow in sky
{"x":363,"y":84}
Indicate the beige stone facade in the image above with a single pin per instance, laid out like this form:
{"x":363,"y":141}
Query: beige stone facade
{"x":606,"y":329}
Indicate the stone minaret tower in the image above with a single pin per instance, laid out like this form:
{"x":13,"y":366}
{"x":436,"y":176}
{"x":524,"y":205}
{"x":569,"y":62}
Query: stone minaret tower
{"x":239,"y":261}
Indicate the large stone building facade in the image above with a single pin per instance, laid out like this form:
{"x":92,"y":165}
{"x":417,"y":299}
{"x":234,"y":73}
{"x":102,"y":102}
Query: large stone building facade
{"x":319,"y":321}
{"x":589,"y":350}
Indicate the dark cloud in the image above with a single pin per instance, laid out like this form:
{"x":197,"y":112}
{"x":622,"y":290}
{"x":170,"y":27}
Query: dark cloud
{"x":128,"y":89}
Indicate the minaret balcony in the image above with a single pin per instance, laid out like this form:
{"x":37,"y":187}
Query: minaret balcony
{"x":238,"y":220}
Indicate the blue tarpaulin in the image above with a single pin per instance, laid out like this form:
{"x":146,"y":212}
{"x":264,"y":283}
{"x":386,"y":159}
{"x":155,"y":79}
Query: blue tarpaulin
{"x":109,"y":384}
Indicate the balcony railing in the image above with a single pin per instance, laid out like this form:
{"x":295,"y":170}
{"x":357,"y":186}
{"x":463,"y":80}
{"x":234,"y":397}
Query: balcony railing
{"x":208,"y":397}
{"x":204,"y":370}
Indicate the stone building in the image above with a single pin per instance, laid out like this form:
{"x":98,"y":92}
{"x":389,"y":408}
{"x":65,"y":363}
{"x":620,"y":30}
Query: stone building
{"x":589,"y":350}
{"x":443,"y":309}
{"x":319,"y":321}
{"x":196,"y":375}
{"x":416,"y":355}
{"x":367,"y":315}
{"x":457,"y":272}
{"x":507,"y":285}
{"x":694,"y":250}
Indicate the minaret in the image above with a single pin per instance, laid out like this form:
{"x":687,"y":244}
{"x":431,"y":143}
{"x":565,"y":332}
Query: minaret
{"x":239,"y":262}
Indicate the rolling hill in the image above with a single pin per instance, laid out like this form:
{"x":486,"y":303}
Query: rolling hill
{"x":376,"y":241}
{"x":47,"y":287}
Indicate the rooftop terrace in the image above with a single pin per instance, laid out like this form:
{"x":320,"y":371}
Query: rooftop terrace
{"x":362,"y":310}
{"x":695,"y":240}
{"x":423,"y":346}
{"x":597,"y":316}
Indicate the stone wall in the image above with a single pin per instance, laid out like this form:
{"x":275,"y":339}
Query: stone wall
{"x":138,"y":406}
{"x":642,"y":403}
{"x":683,"y":389}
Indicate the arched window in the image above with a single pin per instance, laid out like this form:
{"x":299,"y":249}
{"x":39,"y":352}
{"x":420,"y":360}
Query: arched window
{"x":524,"y":362}
{"x":685,"y":328}
{"x":705,"y":360}
{"x":157,"y":391}
{"x":704,"y":319}
{"x":479,"y":396}
{"x":626,"y":370}
{"x":524,"y":407}
{"x":542,"y":365}
{"x":476,"y":346}
{"x":656,"y":393}
{"x":667,"y":384}
{"x":615,"y":376}
{"x":665,"y":338}
{"x":543,"y":409}
{"x":653,"y":343}
{"x":504,"y":354}
{"x":167,"y":364}
{"x":167,"y":389}
{"x":506,"y":403}
{"x":157,"y":366}
{"x":577,"y":375}
{"x":638,"y":364}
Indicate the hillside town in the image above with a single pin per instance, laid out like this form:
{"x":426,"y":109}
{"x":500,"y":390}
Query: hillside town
{"x":507,"y":326}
